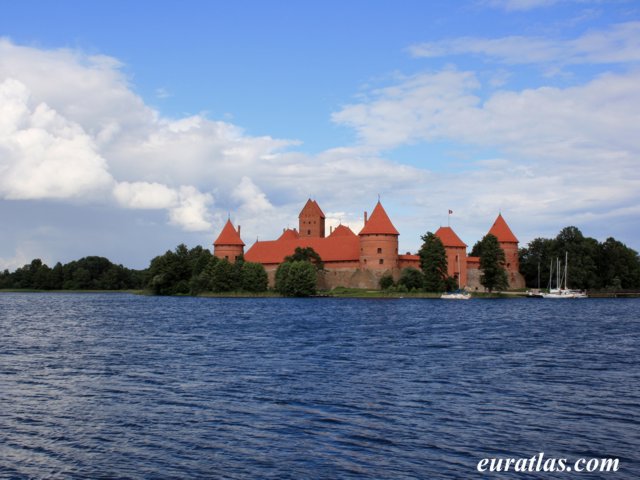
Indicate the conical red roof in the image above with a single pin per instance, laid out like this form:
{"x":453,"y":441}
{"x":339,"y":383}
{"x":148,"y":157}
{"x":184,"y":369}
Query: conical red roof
{"x":342,"y":231}
{"x":312,"y":208}
{"x":379,"y":223}
{"x":229,"y":236}
{"x":449,"y":238}
{"x":502,"y":232}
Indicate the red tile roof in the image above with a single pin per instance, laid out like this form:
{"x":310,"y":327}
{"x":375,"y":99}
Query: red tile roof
{"x":229,"y":236}
{"x":341,"y":231}
{"x":312,"y":208}
{"x":340,"y":248}
{"x":449,"y":238}
{"x":289,"y":234}
{"x":379,"y":223}
{"x":473,"y":260}
{"x":502,"y":232}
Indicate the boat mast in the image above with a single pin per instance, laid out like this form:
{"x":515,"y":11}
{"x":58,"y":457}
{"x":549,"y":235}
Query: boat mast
{"x":566,"y":269}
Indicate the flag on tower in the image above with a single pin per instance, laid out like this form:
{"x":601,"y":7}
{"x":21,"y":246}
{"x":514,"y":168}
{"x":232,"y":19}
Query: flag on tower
{"x":450,"y":212}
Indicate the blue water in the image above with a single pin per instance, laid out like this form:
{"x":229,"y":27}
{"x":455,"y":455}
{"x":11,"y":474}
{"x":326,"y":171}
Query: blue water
{"x":121,"y":386}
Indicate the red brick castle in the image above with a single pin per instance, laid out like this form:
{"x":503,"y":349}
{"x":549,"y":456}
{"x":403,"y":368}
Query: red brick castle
{"x":360,"y":260}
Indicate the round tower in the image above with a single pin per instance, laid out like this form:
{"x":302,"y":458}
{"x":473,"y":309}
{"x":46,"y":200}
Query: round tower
{"x":456,"y":251}
{"x":229,"y":245}
{"x":509,"y":244}
{"x":378,"y":242}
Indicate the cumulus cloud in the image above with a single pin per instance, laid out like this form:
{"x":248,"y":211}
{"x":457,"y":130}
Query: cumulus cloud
{"x":192,"y":211}
{"x":251,"y":198}
{"x":145,"y":195}
{"x":74,"y":129}
{"x":43,"y":154}
{"x":568,"y":153}
{"x":618,"y":44}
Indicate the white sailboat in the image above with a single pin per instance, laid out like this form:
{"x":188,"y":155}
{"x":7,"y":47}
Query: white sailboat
{"x":459,"y":294}
{"x":560,"y":291}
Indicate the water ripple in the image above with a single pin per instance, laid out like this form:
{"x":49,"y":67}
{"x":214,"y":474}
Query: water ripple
{"x":119,"y":386}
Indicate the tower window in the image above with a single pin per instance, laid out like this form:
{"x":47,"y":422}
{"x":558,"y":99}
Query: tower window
{"x":226,"y":257}
{"x":381,"y":261}
{"x":379,"y":250}
{"x":308,"y":232}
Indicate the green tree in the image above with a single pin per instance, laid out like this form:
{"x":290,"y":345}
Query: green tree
{"x":583,"y":257}
{"x":386,"y":282}
{"x":433,"y":262}
{"x":618,"y":265}
{"x":539,"y":252}
{"x":301,"y":279}
{"x":254,"y":277}
{"x":282,"y":277}
{"x":412,"y":278}
{"x":306,"y":254}
{"x":223,"y":277}
{"x":170,"y":274}
{"x":492,"y":261}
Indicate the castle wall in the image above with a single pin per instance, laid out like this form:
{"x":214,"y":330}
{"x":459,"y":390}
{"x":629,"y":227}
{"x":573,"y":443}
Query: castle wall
{"x":230,"y":252}
{"x":457,"y":263}
{"x":378,"y":252}
{"x":350,"y":277}
{"x":516,"y":280}
{"x":409,"y":263}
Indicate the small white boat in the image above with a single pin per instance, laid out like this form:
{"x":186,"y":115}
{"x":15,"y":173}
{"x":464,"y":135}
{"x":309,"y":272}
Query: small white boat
{"x":563,"y":292}
{"x":458,"y":295}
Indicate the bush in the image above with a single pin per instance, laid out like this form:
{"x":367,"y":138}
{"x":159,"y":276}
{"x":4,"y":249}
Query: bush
{"x":296,"y":279}
{"x":411,"y":278}
{"x":254,"y":277}
{"x":386,"y":282}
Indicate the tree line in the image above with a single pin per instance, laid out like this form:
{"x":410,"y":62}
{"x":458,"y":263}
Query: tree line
{"x":88,"y":273}
{"x":183,"y":271}
{"x":609,"y":265}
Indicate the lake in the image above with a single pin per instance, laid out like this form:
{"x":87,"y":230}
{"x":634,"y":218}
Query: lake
{"x":124,"y":386}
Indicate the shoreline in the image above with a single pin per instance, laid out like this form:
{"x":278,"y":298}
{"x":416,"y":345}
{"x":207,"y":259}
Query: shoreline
{"x":352,"y":293}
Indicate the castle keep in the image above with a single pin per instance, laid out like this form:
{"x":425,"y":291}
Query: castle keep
{"x":360,"y":260}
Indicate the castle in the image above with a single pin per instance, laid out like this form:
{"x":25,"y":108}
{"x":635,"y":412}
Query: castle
{"x":360,"y":260}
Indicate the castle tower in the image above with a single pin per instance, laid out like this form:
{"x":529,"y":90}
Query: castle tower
{"x":311,"y":220}
{"x":508,"y":243}
{"x":378,"y":241}
{"x":229,"y":245}
{"x":456,"y":251}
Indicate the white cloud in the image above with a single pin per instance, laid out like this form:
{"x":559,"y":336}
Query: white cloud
{"x":145,"y":195}
{"x":618,"y":44}
{"x":567,"y":153}
{"x":125,"y":151}
{"x":192,"y":211}
{"x":251,"y":198}
{"x":43,"y":154}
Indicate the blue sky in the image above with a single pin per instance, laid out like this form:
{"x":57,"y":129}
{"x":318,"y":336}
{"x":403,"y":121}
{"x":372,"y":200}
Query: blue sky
{"x":129,"y":127}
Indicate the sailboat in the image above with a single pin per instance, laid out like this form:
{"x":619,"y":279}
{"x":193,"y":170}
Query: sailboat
{"x":560,"y":291}
{"x":459,"y":294}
